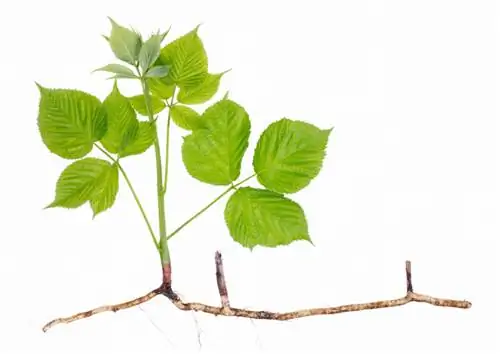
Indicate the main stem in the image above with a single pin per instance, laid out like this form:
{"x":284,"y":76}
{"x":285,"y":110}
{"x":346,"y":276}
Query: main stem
{"x":167,"y":144}
{"x":164,"y":251}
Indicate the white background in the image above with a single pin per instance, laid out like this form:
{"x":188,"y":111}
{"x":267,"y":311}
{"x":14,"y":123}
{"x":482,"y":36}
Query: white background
{"x":411,"y":173}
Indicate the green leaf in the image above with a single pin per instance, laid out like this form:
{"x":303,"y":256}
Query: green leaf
{"x":104,"y":195}
{"x":145,"y":138}
{"x":213,"y":154}
{"x":139,"y":104}
{"x":119,"y":76}
{"x":185,"y":117}
{"x":150,"y":51}
{"x":187,"y":59}
{"x":80,"y":181}
{"x":261,"y":217}
{"x":158,"y":71}
{"x":160,"y":88}
{"x":70,"y":121}
{"x":121,"y":71}
{"x":289,"y":154}
{"x":123,"y":125}
{"x":201,"y":93}
{"x":124,"y":43}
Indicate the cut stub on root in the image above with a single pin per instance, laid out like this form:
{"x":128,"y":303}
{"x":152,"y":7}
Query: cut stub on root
{"x":221,"y":280}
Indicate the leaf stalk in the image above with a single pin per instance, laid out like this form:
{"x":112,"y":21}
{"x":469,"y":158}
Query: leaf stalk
{"x":134,"y":194}
{"x":205,"y":208}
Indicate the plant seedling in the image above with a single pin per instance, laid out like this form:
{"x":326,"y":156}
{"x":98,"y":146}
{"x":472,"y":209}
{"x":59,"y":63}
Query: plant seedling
{"x":175,"y":78}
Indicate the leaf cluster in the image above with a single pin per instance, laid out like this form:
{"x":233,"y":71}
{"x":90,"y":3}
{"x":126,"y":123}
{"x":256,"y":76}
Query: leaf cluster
{"x":288,"y":156}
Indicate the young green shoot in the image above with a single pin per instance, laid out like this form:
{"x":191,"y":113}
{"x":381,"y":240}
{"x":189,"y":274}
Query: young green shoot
{"x":175,"y":77}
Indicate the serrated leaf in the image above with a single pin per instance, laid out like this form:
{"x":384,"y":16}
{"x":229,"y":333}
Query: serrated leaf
{"x":70,"y":121}
{"x":185,"y":117}
{"x":150,"y":51}
{"x":104,"y":195}
{"x":158,"y":71}
{"x":120,"y":70}
{"x":213,"y":154}
{"x":258,"y":217}
{"x":289,"y":154}
{"x":201,"y":93}
{"x":125,"y":43}
{"x":79,"y":182}
{"x":145,"y":138}
{"x":160,"y":88}
{"x":139,"y":104}
{"x":187,"y":59}
{"x":123,"y":125}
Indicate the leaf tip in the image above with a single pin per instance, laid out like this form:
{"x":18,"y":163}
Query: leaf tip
{"x":308,"y":239}
{"x":195,"y":30}
{"x":113,"y":22}
{"x":50,"y":206}
{"x":327,"y":132}
{"x":164,"y":35}
{"x":98,"y":69}
{"x":40,"y":87}
{"x":94,"y":213}
{"x":138,"y":34}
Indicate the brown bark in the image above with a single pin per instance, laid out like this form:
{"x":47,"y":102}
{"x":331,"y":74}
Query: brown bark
{"x":221,"y":280}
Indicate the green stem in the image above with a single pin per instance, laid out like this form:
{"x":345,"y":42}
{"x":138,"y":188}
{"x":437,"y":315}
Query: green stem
{"x":138,"y":202}
{"x":167,"y":147}
{"x":192,"y":218}
{"x":164,"y":251}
